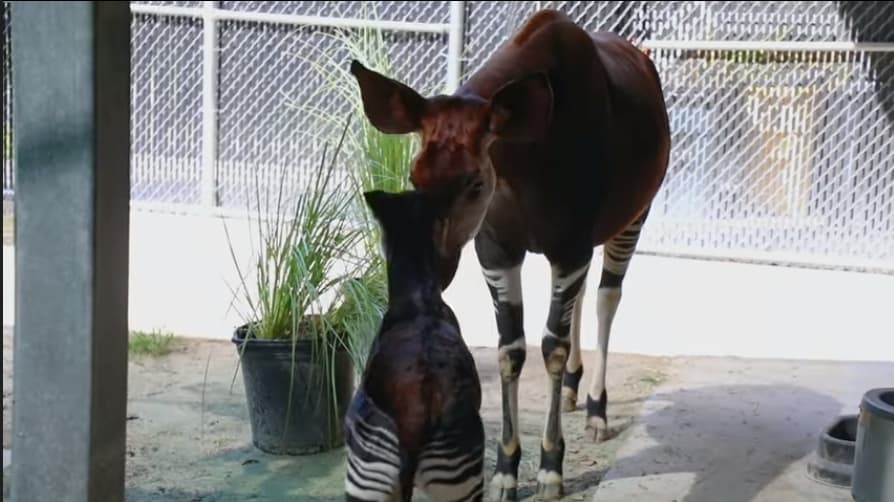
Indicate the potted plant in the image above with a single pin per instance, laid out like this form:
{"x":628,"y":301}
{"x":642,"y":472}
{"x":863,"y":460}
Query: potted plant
{"x":377,"y":161}
{"x":305,"y":312}
{"x":314,"y":310}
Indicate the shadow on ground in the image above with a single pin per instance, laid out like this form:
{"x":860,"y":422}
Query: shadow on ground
{"x":249,"y":474}
{"x":725,"y":442}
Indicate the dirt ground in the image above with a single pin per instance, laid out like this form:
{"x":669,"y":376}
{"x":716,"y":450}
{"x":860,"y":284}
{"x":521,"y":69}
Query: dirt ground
{"x":189,"y":438}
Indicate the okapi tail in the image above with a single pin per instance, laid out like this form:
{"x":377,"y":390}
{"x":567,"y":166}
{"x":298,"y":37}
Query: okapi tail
{"x":409,"y":464}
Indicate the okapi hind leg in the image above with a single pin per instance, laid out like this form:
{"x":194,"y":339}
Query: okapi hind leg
{"x":451,"y":466}
{"x":373,"y":460}
{"x":617,"y":253}
{"x":574,"y":368}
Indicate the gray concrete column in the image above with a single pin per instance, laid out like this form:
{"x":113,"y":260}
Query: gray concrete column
{"x":71,"y":85}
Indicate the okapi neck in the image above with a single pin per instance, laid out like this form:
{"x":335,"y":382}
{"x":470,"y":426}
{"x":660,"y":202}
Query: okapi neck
{"x":412,"y":278}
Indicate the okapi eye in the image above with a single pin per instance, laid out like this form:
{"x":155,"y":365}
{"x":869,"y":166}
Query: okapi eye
{"x":473,"y":182}
{"x":475,"y":190}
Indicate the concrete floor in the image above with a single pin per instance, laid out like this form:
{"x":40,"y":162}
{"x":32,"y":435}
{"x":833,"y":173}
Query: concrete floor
{"x":725,"y":429}
{"x":714,"y":429}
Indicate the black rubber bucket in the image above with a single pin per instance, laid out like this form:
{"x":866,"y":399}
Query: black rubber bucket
{"x":314,"y":424}
{"x":833,"y":461}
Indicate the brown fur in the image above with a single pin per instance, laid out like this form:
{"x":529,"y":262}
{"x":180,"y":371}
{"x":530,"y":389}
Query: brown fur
{"x":596,"y":164}
{"x":565,"y":135}
{"x":538,"y":20}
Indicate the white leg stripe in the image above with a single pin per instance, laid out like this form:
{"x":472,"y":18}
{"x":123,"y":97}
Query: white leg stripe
{"x":364,"y":494}
{"x":374,"y":482}
{"x":568,"y":311}
{"x":618,"y":251}
{"x":607,"y":301}
{"x":574,"y":360}
{"x":447,"y":460}
{"x":519,"y":343}
{"x":561,"y":283}
{"x":507,"y":282}
{"x":388,"y":440}
{"x":375,"y":445}
{"x":373,"y":489}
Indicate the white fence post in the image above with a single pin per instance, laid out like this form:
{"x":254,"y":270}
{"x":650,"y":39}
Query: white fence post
{"x":455,"y":45}
{"x":209,"y":104}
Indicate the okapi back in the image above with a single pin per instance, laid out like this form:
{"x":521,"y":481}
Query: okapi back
{"x":415,"y":417}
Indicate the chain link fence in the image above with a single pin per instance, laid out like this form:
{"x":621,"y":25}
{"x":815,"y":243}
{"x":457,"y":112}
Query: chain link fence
{"x":781,"y":113}
{"x":166,"y":104}
{"x":8,"y":171}
{"x":267,"y":72}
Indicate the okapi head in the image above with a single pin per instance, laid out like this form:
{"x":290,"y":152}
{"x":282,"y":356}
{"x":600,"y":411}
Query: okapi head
{"x":411,"y":224}
{"x":456,"y":133}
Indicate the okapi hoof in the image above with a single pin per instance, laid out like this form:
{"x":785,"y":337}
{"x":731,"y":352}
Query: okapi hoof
{"x":570,"y":384}
{"x":549,"y":485}
{"x":503,"y":487}
{"x":597,"y":423}
{"x":597,"y":430}
{"x":569,"y":400}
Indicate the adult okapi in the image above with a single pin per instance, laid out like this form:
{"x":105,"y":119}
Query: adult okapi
{"x":565,"y":136}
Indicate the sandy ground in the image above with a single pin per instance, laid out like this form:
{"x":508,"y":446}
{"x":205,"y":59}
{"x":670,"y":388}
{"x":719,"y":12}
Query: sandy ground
{"x":189,"y":438}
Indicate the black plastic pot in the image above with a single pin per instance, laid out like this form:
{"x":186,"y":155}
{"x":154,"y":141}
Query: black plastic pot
{"x":833,"y":461}
{"x":313,"y":425}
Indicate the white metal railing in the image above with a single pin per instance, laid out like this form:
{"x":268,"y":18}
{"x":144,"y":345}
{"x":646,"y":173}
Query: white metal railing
{"x":781,"y":113}
{"x":721,"y":149}
{"x":210,"y":14}
{"x":772,"y":46}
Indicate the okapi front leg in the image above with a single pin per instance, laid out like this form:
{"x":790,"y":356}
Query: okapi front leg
{"x":505,"y":289}
{"x":566,"y":286}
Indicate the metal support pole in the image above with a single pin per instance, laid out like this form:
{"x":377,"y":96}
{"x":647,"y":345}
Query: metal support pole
{"x":455,"y":45}
{"x":71,"y":81}
{"x":209,"y":105}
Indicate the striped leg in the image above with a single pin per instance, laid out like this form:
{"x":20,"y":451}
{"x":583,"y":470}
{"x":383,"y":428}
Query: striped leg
{"x":567,"y":282}
{"x":617,"y":254}
{"x":505,"y":289}
{"x":451,"y":467}
{"x":574,"y":368}
{"x":373,"y":457}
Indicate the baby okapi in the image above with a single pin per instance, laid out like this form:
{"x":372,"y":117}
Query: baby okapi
{"x":415,"y":419}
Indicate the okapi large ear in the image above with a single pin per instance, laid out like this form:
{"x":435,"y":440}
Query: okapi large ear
{"x":390,"y":106}
{"x":522,"y":109}
{"x":392,"y":210}
{"x":380,"y":203}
